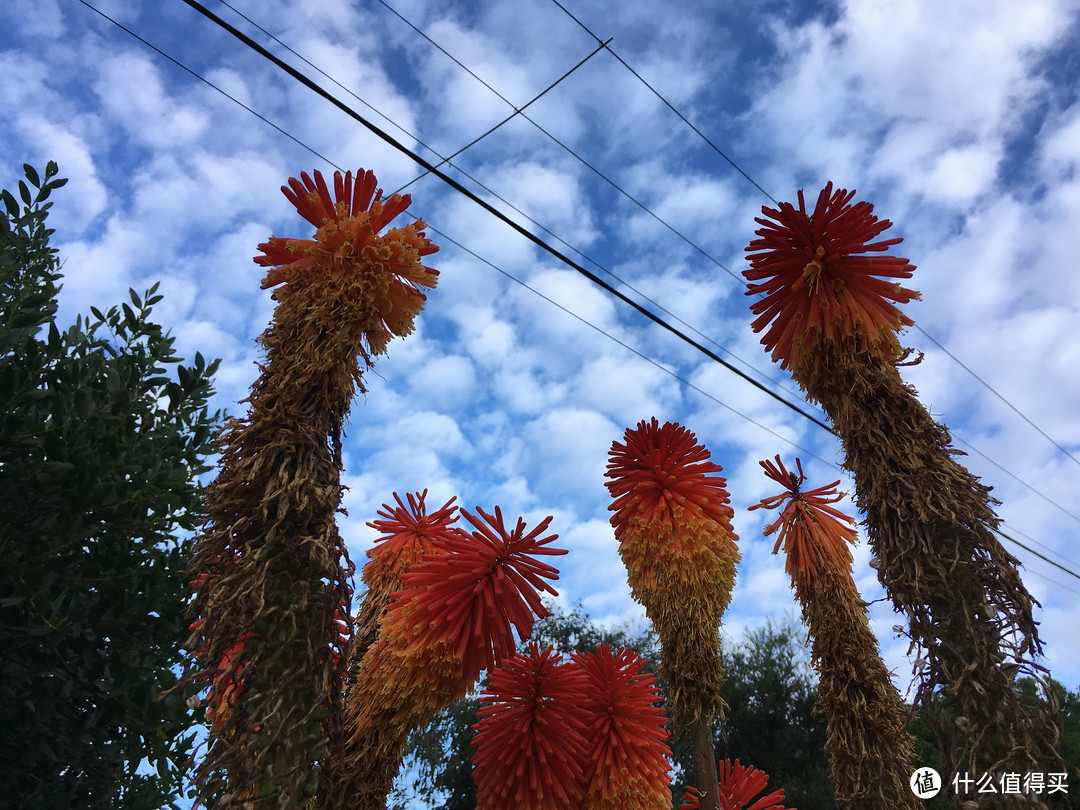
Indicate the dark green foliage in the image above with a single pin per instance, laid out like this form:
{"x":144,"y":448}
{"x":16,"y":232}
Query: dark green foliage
{"x":771,"y":692}
{"x":99,"y":453}
{"x":440,"y":755}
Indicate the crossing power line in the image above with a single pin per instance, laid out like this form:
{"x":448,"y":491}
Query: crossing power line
{"x":435,"y":171}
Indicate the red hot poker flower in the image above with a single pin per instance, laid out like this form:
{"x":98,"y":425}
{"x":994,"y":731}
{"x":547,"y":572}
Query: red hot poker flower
{"x":531,"y":736}
{"x":815,"y":535}
{"x":408,"y":533}
{"x":482,"y":589}
{"x":348,"y":249}
{"x":628,"y":766}
{"x":738,"y":787}
{"x":660,"y":473}
{"x":819,"y":293}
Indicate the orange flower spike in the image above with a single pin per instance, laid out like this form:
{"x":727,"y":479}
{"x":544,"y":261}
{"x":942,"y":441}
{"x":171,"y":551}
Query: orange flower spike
{"x":407,"y":534}
{"x":738,"y":787}
{"x":476,"y":594}
{"x":530,"y":737}
{"x":673,"y":524}
{"x":349,"y":249}
{"x":628,"y":760}
{"x":818,"y":291}
{"x":813,"y":533}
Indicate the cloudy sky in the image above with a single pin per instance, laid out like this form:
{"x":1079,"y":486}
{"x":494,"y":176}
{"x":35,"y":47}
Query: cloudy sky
{"x":959,"y":121}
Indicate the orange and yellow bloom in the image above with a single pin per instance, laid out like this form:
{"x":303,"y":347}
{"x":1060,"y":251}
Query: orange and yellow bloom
{"x":673,"y":524}
{"x":531,"y":735}
{"x":624,"y":728}
{"x":739,"y":788}
{"x":454,"y":615}
{"x":815,"y":535}
{"x":349,"y":250}
{"x":867,"y":743}
{"x":587,"y":735}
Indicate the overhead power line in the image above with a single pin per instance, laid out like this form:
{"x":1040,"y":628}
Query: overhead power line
{"x":423,"y":163}
{"x":461,"y":170}
{"x":669,"y":105}
{"x":755,"y":184}
{"x":575,"y":155}
{"x":1042,"y":557}
{"x":314,"y":87}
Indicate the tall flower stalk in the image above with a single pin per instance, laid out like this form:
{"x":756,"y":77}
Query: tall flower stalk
{"x":673,"y":524}
{"x":269,"y":566}
{"x":869,"y":748}
{"x":829,"y":314}
{"x":455,"y":615}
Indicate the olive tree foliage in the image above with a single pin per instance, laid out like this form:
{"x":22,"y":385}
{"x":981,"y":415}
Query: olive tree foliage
{"x":100,"y":449}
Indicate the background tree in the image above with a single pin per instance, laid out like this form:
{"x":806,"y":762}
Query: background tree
{"x":99,"y":454}
{"x":771,"y":691}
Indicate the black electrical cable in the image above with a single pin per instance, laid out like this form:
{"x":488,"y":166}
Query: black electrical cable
{"x":311,"y":85}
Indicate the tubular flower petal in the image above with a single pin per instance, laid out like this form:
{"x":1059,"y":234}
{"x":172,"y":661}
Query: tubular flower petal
{"x":627,"y":764}
{"x":531,"y":739}
{"x":349,"y":251}
{"x":477,"y":593}
{"x":738,"y":787}
{"x":227,"y":684}
{"x":820,"y":295}
{"x":815,"y":535}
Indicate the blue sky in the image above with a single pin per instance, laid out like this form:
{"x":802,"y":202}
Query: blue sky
{"x":959,"y":121}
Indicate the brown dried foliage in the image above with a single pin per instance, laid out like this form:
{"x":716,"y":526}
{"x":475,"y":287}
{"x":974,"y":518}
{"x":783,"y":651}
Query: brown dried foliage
{"x":274,"y":562}
{"x":930,"y":524}
{"x":869,"y":748}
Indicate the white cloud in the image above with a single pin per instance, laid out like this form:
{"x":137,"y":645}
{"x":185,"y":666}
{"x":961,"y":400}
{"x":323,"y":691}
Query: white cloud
{"x":951,"y":118}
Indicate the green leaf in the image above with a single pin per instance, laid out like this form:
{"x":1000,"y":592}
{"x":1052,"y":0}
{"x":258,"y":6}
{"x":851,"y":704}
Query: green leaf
{"x":24,"y":192}
{"x":32,"y":175}
{"x":10,"y":203}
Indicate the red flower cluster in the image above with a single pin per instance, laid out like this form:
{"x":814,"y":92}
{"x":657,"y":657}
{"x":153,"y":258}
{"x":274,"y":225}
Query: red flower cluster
{"x":530,"y":737}
{"x":347,"y":247}
{"x":583,"y":735}
{"x":815,"y":535}
{"x":408,"y":533}
{"x":477,"y":592}
{"x":738,"y":787}
{"x":819,"y":293}
{"x":625,"y":732}
{"x":659,"y":473}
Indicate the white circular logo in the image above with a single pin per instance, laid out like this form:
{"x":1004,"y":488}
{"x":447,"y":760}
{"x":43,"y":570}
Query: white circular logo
{"x":925,"y":783}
